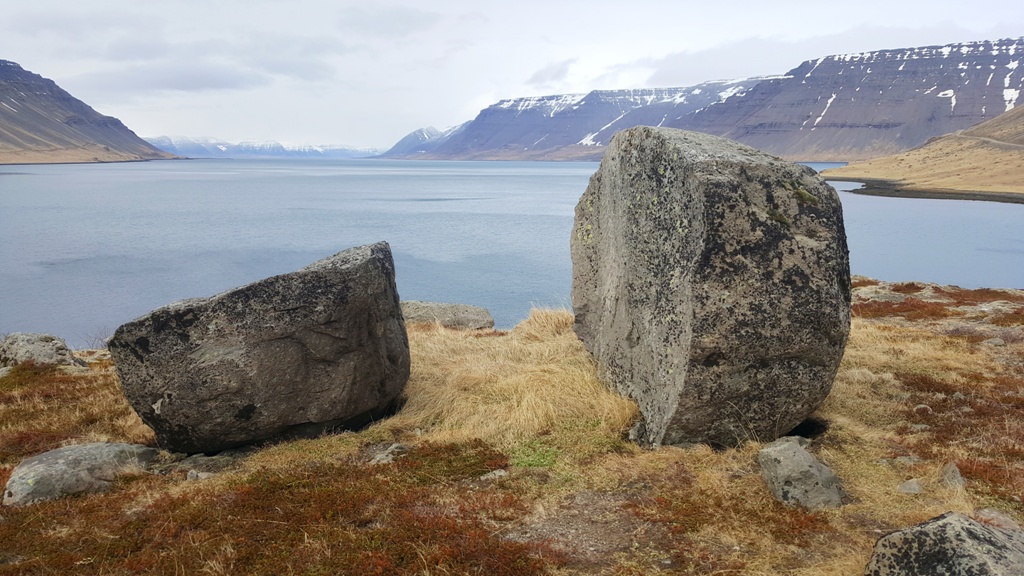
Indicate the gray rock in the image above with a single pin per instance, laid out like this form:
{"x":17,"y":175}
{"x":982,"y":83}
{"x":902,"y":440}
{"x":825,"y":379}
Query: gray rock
{"x":951,"y":476}
{"x":996,"y":518}
{"x":711,"y":283}
{"x":951,"y":545}
{"x":388,"y":455}
{"x":461,"y":316}
{"x":797,"y":478}
{"x":494,"y":475}
{"x":995,"y":342}
{"x":912,"y":486}
{"x":85,"y":468}
{"x":296,"y":354}
{"x":39,"y":348}
{"x":5,"y":371}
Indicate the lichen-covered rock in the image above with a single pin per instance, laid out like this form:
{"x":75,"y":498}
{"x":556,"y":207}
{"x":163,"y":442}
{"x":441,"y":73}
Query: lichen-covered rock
{"x":951,"y":545}
{"x":711,"y":283}
{"x":80,"y":469}
{"x":796,"y":478}
{"x":296,"y":354}
{"x":460,"y":316}
{"x":39,"y":348}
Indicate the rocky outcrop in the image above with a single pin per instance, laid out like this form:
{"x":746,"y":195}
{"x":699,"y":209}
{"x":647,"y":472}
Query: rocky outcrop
{"x":797,"y":478}
{"x":459,"y":316}
{"x":82,"y":469}
{"x":951,"y":544}
{"x":43,"y":123}
{"x":711,"y":283}
{"x":39,"y":348}
{"x":299,"y":353}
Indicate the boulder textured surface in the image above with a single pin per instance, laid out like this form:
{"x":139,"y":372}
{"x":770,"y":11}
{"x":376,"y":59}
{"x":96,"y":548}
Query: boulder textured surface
{"x":952,"y":545}
{"x":39,"y":348}
{"x":796,"y":478}
{"x":711,"y":282}
{"x":459,"y":316}
{"x":81,"y":469}
{"x":295,"y":354}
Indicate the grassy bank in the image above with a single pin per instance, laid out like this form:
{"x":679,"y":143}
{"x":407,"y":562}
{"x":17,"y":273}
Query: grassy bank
{"x":577,"y":497}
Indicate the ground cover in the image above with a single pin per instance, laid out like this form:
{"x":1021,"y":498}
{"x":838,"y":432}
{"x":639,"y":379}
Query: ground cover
{"x":512,"y":459}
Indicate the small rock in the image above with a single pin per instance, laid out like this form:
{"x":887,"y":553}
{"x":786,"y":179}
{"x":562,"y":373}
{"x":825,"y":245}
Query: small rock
{"x":85,"y":468}
{"x":494,"y":475}
{"x":996,"y":518}
{"x":922,"y":409}
{"x":994,"y":342}
{"x":388,"y":456}
{"x":951,"y":476}
{"x":796,"y":478}
{"x":912,"y":486}
{"x":959,"y":396}
{"x":39,"y":348}
{"x":195,"y":475}
{"x":460,"y":316}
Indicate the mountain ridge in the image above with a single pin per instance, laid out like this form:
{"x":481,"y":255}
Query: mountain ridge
{"x":836,"y":107}
{"x":207,"y":147}
{"x":42,"y":123}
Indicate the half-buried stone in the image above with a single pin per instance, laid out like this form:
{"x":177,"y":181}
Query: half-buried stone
{"x":295,"y":354}
{"x":711,"y":283}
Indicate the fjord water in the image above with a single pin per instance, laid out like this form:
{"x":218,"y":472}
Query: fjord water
{"x":84,"y":248}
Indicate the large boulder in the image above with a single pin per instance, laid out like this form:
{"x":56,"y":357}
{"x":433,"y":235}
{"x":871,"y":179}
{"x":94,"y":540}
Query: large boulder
{"x":81,"y":469}
{"x":458,"y":316}
{"x":711,"y":283}
{"x":39,"y":348}
{"x":952,"y":545}
{"x":296,"y":354}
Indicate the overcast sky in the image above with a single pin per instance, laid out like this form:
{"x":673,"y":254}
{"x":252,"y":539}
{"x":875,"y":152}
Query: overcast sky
{"x":367,"y":73}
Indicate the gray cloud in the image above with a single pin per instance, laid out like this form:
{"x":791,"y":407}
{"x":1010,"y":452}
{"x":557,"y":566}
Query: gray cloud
{"x":163,"y":76}
{"x":768,"y":56}
{"x":551,"y":74}
{"x":386,"y":21}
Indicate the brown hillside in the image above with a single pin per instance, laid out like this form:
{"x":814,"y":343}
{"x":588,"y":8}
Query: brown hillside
{"x":42,"y":123}
{"x":983,"y":162}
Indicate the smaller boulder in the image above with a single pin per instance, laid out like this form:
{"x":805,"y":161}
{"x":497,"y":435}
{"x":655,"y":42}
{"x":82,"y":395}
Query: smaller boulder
{"x":86,"y":468}
{"x":797,"y":478}
{"x":39,"y":348}
{"x":951,"y":544}
{"x":459,"y":316}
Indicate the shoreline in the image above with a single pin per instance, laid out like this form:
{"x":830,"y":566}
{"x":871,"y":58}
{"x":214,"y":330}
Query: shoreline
{"x":891,"y":189}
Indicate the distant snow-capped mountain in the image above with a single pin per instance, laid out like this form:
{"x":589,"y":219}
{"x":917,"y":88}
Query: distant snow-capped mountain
{"x":205,"y":147}
{"x":839,"y":107}
{"x":565,"y":126}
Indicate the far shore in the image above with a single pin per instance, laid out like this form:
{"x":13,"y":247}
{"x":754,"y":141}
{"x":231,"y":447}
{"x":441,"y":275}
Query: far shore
{"x":892,"y":189}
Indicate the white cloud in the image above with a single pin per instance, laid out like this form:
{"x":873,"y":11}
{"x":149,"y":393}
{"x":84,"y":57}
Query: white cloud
{"x":354,"y":72}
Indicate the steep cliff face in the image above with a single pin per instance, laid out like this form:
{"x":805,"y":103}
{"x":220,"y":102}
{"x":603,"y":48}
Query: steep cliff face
{"x":862,"y":105}
{"x":42,"y":123}
{"x":571,"y":126}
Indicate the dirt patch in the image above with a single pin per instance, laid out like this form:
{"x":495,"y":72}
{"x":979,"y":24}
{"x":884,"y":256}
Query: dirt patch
{"x":592,"y":528}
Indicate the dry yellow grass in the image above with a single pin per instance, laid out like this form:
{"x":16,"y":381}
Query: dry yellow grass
{"x":507,"y":388}
{"x":987,"y":158}
{"x":533,"y":397}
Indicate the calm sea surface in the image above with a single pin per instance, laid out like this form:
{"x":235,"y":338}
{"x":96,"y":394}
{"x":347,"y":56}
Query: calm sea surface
{"x":84,"y":248}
